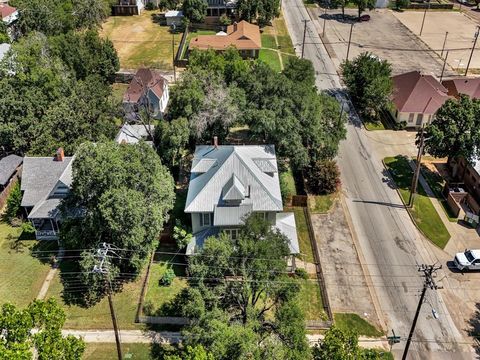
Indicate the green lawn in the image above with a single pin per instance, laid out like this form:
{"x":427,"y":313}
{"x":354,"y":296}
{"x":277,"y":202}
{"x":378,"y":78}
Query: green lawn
{"x":105,"y":351}
{"x":302,"y":233}
{"x":423,"y":212}
{"x":98,"y":316}
{"x":268,"y":41}
{"x":158,"y":295}
{"x":283,"y":37}
{"x":118,"y":90}
{"x":287,"y":183}
{"x":353,"y":322}
{"x":271,"y":58}
{"x":22,"y":274}
{"x":311,"y":300}
{"x":436,"y":183}
{"x":372,"y":126}
{"x":321,"y":204}
{"x":286,"y":58}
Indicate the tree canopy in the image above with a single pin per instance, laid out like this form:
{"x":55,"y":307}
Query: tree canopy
{"x":262,"y":11}
{"x":195,"y":10}
{"x":284,"y":109}
{"x":52,"y":99}
{"x":233,"y":292}
{"x":363,"y":5}
{"x":18,"y":341}
{"x":369,"y":83}
{"x":123,"y":194}
{"x":455,"y":129}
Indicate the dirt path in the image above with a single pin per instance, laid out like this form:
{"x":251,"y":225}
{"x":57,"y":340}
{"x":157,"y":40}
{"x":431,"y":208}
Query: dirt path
{"x":51,"y":274}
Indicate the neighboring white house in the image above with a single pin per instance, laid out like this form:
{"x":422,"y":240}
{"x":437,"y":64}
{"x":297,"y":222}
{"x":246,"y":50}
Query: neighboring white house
{"x":227,"y":183}
{"x":8,"y":13}
{"x":174,"y":17}
{"x":132,"y":134}
{"x":417,"y":98}
{"x":149,"y":90}
{"x":45,"y":182}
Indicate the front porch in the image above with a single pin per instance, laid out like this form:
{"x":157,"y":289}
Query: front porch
{"x":45,"y":229}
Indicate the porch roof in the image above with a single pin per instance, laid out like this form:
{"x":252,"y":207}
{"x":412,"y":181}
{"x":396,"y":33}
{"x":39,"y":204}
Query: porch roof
{"x":45,"y":209}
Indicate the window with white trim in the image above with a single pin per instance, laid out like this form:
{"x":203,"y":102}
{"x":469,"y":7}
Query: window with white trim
{"x":232,"y":233}
{"x":205,"y":219}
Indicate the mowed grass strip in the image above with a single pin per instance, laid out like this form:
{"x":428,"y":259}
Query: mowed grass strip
{"x":104,"y":351}
{"x":271,"y":58}
{"x":423,"y":211}
{"x":310,"y":300}
{"x":302,"y":233}
{"x":22,"y":274}
{"x":268,"y":41}
{"x":353,"y":322}
{"x":321,"y":204}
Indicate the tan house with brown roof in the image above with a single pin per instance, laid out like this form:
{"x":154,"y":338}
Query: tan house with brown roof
{"x":148,"y":89}
{"x":245,"y":37}
{"x":417,"y":98}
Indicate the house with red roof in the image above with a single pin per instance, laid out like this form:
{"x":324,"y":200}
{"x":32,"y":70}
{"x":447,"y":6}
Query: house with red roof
{"x":8,"y":13}
{"x":245,"y":37}
{"x":147,"y":90}
{"x":416,"y":98}
{"x":463,"y":85}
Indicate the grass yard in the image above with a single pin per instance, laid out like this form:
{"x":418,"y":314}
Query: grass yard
{"x":268,"y":41}
{"x":271,"y":58}
{"x":353,"y":322}
{"x":286,"y":58}
{"x":140,"y":41}
{"x":373,"y":126}
{"x":302,"y":233}
{"x":287,"y":184}
{"x":157,"y":295}
{"x":104,"y":351}
{"x":423,"y":212}
{"x":98,"y":316}
{"x":118,"y":90}
{"x":321,"y":204}
{"x":311,"y":300}
{"x":22,"y":274}
{"x":436,"y":183}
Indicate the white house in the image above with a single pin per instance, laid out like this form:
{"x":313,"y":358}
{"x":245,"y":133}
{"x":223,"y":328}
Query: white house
{"x":147,"y":90}
{"x":174,"y":17}
{"x":227,"y":183}
{"x":8,"y":13}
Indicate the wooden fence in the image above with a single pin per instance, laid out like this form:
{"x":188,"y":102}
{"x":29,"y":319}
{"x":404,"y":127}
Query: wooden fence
{"x":300,"y":200}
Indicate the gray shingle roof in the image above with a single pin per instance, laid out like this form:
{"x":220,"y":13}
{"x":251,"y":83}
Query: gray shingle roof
{"x":40,"y":175}
{"x":132,"y":134}
{"x":8,"y":165}
{"x":206,"y":184}
{"x":47,"y":208}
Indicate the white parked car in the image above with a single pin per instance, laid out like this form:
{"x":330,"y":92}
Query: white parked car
{"x":468,"y":260}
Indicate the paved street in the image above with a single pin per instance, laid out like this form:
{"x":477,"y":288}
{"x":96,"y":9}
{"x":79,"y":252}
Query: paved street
{"x":389,"y":242}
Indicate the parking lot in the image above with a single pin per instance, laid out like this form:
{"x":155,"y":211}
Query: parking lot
{"x":384,"y":35}
{"x":461,"y":30}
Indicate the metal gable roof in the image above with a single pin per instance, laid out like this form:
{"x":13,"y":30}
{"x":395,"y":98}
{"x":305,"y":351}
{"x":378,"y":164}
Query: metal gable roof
{"x":233,"y":190}
{"x":205,"y":189}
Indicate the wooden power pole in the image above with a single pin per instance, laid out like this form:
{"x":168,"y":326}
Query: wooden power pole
{"x":416,"y":175}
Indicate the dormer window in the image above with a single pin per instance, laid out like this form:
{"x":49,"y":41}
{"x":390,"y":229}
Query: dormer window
{"x":233,"y":191}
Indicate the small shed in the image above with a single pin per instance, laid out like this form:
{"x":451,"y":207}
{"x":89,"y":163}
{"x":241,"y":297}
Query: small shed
{"x":174,"y":17}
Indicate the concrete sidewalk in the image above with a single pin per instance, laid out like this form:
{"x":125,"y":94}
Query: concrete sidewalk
{"x":167,"y":337}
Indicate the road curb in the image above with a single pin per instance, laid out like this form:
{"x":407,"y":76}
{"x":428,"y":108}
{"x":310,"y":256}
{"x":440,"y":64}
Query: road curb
{"x":361,"y":258}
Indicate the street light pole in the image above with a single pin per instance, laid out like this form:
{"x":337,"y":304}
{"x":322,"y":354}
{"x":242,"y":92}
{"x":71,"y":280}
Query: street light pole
{"x":444,"y":42}
{"x":324,"y":21}
{"x":349,"y":40}
{"x":304,"y":34}
{"x":424,"y":14}
{"x":473,"y":48}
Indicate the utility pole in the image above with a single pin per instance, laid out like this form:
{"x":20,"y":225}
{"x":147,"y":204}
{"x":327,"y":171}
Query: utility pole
{"x":173,"y":27}
{"x":429,"y":283}
{"x":349,"y":39}
{"x":102,"y":268}
{"x":444,"y":63}
{"x":424,"y":14}
{"x":324,"y":21}
{"x":473,"y":48}
{"x":304,"y":34}
{"x":444,"y":42}
{"x":413,"y":188}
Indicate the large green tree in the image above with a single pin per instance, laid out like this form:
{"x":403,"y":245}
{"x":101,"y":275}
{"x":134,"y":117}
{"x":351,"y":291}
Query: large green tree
{"x":369,"y":83}
{"x":455,"y":130}
{"x":195,"y":10}
{"x":19,"y":341}
{"x":363,"y":5}
{"x":121,"y":194}
{"x":171,"y":139}
{"x":262,"y":11}
{"x":233,"y":292}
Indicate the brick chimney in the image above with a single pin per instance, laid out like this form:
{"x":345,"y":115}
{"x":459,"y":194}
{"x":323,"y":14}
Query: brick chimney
{"x":59,"y":155}
{"x":215,"y":142}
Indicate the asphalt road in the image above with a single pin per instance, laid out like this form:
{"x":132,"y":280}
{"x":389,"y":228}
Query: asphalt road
{"x":390,"y":243}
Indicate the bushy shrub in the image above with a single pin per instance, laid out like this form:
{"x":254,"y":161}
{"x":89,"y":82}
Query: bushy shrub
{"x":181,"y":235}
{"x":13,"y":203}
{"x":323,"y":177}
{"x":224,"y":20}
{"x":301,"y":273}
{"x":167,"y":277}
{"x":150,"y":6}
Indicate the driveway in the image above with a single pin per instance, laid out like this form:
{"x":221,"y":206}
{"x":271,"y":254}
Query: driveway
{"x":384,"y":35}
